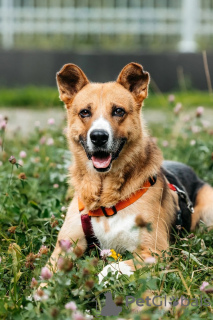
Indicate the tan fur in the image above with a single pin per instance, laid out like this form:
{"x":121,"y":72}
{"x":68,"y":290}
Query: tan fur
{"x":106,"y":226}
{"x":139,"y":159}
{"x":203,"y":207}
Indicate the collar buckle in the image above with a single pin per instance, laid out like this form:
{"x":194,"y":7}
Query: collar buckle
{"x":104,"y":210}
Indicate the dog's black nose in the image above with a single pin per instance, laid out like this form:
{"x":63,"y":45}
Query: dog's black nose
{"x":99,"y":137}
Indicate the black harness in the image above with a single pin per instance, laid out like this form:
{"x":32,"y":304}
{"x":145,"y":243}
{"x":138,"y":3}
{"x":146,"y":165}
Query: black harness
{"x":183,"y":197}
{"x":186,"y":209}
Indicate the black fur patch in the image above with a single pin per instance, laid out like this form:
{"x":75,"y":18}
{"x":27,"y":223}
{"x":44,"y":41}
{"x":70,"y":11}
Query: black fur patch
{"x":184,"y":178}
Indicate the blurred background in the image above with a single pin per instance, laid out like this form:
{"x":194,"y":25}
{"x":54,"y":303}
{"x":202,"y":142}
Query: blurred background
{"x":172,"y":39}
{"x":127,"y":25}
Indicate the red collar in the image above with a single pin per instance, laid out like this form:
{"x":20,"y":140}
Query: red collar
{"x":107,"y":212}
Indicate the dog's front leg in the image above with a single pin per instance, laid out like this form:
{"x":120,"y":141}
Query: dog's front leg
{"x":122,"y":267}
{"x":71,"y":230}
{"x":127,"y":267}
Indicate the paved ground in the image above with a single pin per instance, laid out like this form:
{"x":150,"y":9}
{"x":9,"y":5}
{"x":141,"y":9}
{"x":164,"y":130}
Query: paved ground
{"x":24,"y":119}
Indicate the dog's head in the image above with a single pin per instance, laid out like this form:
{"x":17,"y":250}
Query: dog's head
{"x":103,"y":119}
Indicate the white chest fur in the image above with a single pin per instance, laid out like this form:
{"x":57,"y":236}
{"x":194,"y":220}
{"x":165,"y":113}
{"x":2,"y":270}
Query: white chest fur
{"x":117,"y":232}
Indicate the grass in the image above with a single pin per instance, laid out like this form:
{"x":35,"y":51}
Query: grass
{"x":29,"y":97}
{"x":32,"y":212}
{"x":41,"y":97}
{"x":189,"y":99}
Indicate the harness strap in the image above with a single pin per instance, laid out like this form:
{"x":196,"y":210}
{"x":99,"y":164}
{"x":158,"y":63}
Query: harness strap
{"x":183,"y":195}
{"x":88,"y":231}
{"x":172,"y":187}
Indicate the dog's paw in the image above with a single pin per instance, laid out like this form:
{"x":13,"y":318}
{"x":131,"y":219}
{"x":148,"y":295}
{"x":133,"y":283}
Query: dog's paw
{"x":121,"y":267}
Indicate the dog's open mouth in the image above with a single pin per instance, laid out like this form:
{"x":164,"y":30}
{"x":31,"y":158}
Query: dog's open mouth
{"x":101,"y":160}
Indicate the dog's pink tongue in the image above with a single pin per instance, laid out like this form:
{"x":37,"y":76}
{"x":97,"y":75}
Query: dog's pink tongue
{"x":101,"y":162}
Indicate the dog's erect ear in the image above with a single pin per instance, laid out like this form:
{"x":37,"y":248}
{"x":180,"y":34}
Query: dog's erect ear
{"x":70,"y":79}
{"x":134,"y":79}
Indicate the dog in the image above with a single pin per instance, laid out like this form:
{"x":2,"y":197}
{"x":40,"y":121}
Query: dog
{"x":118,"y":173}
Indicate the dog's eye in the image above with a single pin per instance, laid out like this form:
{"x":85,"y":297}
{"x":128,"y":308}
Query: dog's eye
{"x":118,"y":112}
{"x":85,"y":113}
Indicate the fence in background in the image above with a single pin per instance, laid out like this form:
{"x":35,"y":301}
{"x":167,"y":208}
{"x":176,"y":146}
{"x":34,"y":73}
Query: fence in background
{"x":184,"y":19}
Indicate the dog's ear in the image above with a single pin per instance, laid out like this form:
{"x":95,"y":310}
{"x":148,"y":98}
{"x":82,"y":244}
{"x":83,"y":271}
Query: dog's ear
{"x":70,"y":79}
{"x":134,"y":79}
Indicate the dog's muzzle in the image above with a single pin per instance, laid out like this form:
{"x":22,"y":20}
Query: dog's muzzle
{"x":101,"y":153}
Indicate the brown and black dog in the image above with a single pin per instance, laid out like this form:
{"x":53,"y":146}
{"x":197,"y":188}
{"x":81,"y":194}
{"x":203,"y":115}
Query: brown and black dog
{"x":118,"y":172}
